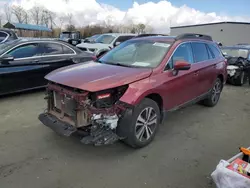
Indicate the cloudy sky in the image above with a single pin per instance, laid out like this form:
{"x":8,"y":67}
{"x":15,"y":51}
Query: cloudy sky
{"x":159,"y":14}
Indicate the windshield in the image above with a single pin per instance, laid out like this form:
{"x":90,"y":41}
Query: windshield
{"x":235,"y":52}
{"x":137,"y":54}
{"x":94,"y":36}
{"x":74,"y":35}
{"x":64,"y":35}
{"x":105,"y":39}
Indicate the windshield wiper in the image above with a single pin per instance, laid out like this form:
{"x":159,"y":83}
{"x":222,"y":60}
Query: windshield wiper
{"x":117,"y":64}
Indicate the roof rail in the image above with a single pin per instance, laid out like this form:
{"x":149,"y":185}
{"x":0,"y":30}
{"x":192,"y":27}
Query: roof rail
{"x":194,"y":36}
{"x":149,"y":34}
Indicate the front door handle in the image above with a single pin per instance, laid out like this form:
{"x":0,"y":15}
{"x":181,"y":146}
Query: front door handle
{"x":36,"y":61}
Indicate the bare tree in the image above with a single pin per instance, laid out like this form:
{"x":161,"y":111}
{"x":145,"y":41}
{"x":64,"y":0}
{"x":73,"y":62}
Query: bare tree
{"x":69,"y":18}
{"x":8,"y":12}
{"x":36,"y":13}
{"x":141,"y":28}
{"x":62,"y":20}
{"x":20,"y":14}
{"x":70,"y":26}
{"x":149,"y":29}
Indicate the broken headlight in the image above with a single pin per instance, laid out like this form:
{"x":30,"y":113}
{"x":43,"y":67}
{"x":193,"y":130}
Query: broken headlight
{"x":107,"y":98}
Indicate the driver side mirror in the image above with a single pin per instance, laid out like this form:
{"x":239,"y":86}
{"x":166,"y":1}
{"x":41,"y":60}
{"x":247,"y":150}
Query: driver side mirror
{"x":181,"y":65}
{"x":6,"y":59}
{"x":117,"y":43}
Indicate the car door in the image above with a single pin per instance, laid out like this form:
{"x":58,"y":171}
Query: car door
{"x":20,"y":74}
{"x":205,"y":63}
{"x":181,"y":88}
{"x":56,"y":55}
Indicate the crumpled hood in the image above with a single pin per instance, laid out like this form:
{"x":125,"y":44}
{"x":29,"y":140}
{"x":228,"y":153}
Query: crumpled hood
{"x":92,"y":76}
{"x":93,"y":45}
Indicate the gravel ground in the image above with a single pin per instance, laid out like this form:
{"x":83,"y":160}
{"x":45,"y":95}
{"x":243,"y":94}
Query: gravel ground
{"x":185,"y":151}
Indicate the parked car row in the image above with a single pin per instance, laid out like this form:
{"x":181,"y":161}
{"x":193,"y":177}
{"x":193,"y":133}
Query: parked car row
{"x":24,"y":63}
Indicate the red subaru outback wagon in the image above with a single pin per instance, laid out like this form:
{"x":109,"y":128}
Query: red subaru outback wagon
{"x":125,"y":94}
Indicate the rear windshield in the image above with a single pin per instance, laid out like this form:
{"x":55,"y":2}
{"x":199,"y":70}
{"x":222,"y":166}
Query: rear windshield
{"x":64,"y":35}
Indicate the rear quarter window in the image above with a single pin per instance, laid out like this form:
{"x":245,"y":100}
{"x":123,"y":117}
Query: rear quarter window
{"x":215,"y":50}
{"x":67,"y":50}
{"x":53,"y":49}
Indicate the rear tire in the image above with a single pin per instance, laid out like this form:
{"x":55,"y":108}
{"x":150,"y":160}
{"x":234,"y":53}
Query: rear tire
{"x":142,"y":126}
{"x":214,"y":95}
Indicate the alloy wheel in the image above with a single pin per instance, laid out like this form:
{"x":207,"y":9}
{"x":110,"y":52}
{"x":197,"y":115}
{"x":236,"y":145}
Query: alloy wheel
{"x":216,"y":91}
{"x":146,"y":124}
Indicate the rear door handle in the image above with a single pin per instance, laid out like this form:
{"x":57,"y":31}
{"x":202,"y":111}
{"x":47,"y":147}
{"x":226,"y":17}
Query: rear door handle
{"x":36,"y":61}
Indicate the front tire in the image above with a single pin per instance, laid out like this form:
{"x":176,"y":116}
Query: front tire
{"x":143,"y":125}
{"x":214,"y":96}
{"x":241,"y":79}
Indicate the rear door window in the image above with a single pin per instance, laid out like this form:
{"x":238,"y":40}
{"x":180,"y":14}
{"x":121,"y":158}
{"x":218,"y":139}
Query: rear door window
{"x":53,"y":49}
{"x":2,"y":36}
{"x":200,"y":52}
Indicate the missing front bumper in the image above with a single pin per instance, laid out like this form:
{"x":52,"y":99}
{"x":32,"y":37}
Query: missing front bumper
{"x":57,"y":125}
{"x":98,"y":134}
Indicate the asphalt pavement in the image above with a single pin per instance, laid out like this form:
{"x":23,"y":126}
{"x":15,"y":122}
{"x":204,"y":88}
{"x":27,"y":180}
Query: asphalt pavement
{"x":185,"y":151}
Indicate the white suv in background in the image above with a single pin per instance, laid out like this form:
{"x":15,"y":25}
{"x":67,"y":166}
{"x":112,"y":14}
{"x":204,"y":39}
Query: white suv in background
{"x":105,"y":42}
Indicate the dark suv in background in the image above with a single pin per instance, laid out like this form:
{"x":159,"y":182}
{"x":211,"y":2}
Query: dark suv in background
{"x":126,"y":93}
{"x":238,"y":59}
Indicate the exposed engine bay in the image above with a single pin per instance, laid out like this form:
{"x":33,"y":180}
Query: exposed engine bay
{"x":238,"y":70}
{"x":96,"y":114}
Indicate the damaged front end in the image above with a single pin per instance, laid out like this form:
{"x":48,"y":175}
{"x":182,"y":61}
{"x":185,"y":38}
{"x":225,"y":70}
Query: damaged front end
{"x":237,"y":70}
{"x":96,"y":114}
